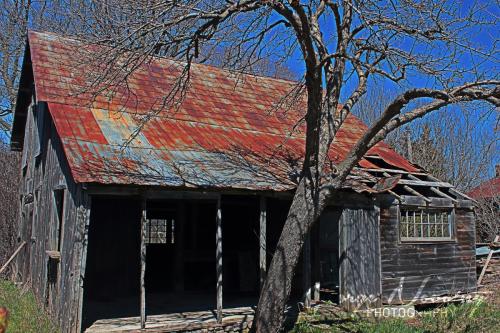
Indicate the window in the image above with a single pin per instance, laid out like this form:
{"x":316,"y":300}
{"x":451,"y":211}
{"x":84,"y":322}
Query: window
{"x":160,"y":231}
{"x":39,"y":116}
{"x":59,"y":214}
{"x":419,"y":224}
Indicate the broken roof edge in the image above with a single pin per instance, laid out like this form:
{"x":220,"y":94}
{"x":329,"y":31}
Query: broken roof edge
{"x":413,"y":184}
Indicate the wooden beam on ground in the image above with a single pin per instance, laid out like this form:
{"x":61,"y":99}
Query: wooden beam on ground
{"x":487,"y":262}
{"x":4,"y":267}
{"x":218,"y":259}
{"x":306,"y":271}
{"x":262,"y":240}
{"x":143,"y":264}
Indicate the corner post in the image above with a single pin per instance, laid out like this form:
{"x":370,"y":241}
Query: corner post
{"x":143,"y":264}
{"x":316,"y":269}
{"x":218,"y":259}
{"x":83,"y":223}
{"x":262,"y":240}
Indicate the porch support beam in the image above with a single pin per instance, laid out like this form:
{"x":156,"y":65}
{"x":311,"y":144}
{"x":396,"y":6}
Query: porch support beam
{"x":442,"y":194}
{"x":414,"y":192}
{"x":218,"y":259}
{"x":83,"y":223}
{"x":306,"y":271}
{"x":143,"y":264}
{"x":316,"y":261}
{"x":262,"y":240}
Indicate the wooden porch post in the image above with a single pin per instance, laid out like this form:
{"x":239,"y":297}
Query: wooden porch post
{"x":83,"y":223}
{"x":143,"y":264}
{"x":262,"y":240}
{"x":306,"y":271}
{"x":218,"y":259}
{"x":316,"y":261}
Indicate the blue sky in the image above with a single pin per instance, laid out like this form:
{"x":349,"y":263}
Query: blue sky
{"x":482,"y":37}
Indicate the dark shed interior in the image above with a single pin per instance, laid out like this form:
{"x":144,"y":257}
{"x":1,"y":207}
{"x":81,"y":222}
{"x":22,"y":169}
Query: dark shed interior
{"x":180,"y":261}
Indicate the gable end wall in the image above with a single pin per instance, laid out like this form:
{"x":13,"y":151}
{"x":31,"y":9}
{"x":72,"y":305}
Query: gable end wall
{"x":39,"y":224}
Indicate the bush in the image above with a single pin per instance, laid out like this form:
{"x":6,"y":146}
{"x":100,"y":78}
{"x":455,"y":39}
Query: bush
{"x":26,"y":316}
{"x":9,"y":203}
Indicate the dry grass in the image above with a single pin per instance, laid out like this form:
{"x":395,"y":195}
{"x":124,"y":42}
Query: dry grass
{"x":481,"y":316}
{"x":26,"y":316}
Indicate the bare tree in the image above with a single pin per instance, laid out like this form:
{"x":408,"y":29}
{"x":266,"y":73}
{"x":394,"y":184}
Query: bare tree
{"x":343,"y":45}
{"x":16,"y":17}
{"x":9,"y":164}
{"x":488,"y":218}
{"x":441,"y":143}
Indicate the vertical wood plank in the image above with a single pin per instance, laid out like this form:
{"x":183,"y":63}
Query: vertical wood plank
{"x":306,"y":272}
{"x":360,"y":267}
{"x":218,"y":257}
{"x":378,"y":270}
{"x":262,"y":240}
{"x":316,"y":269}
{"x":143,"y":265}
{"x":83,"y":222}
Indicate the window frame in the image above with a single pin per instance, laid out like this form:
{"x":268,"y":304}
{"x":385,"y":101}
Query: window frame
{"x":59,"y":214}
{"x":167,"y":222}
{"x":450,"y":211}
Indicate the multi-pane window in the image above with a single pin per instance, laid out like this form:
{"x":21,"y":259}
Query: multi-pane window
{"x":418,"y":224}
{"x":160,"y":231}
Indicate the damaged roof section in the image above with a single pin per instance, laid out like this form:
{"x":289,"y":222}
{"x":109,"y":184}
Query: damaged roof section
{"x":228,"y":131}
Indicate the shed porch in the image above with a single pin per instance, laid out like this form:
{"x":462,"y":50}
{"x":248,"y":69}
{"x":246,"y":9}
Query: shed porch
{"x":157,"y":257}
{"x":234,"y":319}
{"x":162,"y":258}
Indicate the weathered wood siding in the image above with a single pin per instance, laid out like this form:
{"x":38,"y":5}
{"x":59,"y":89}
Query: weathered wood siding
{"x":417,"y":270}
{"x":359,"y":249}
{"x":359,"y":258}
{"x":55,"y":283}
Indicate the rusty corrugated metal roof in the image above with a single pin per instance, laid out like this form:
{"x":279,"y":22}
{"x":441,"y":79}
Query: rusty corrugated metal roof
{"x":229,"y":131}
{"x":487,"y":189}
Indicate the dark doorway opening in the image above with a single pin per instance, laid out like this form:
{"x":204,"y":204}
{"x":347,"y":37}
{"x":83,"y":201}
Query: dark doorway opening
{"x":111,"y":285}
{"x":329,"y":254}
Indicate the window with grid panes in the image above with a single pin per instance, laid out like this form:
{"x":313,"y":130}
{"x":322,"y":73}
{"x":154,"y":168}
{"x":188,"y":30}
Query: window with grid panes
{"x":160,"y":231}
{"x":422,"y":224}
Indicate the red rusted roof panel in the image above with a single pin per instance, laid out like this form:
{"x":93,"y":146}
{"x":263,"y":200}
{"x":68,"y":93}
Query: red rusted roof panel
{"x":488,"y":189}
{"x":228,"y":131}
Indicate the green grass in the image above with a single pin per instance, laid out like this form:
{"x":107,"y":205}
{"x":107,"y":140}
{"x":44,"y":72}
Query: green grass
{"x":26,"y":315}
{"x":478,"y":316}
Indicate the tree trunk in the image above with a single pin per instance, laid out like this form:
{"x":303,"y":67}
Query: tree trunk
{"x":303,"y":212}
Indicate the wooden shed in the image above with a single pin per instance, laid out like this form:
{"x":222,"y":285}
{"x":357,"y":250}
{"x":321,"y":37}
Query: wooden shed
{"x":161,"y":222}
